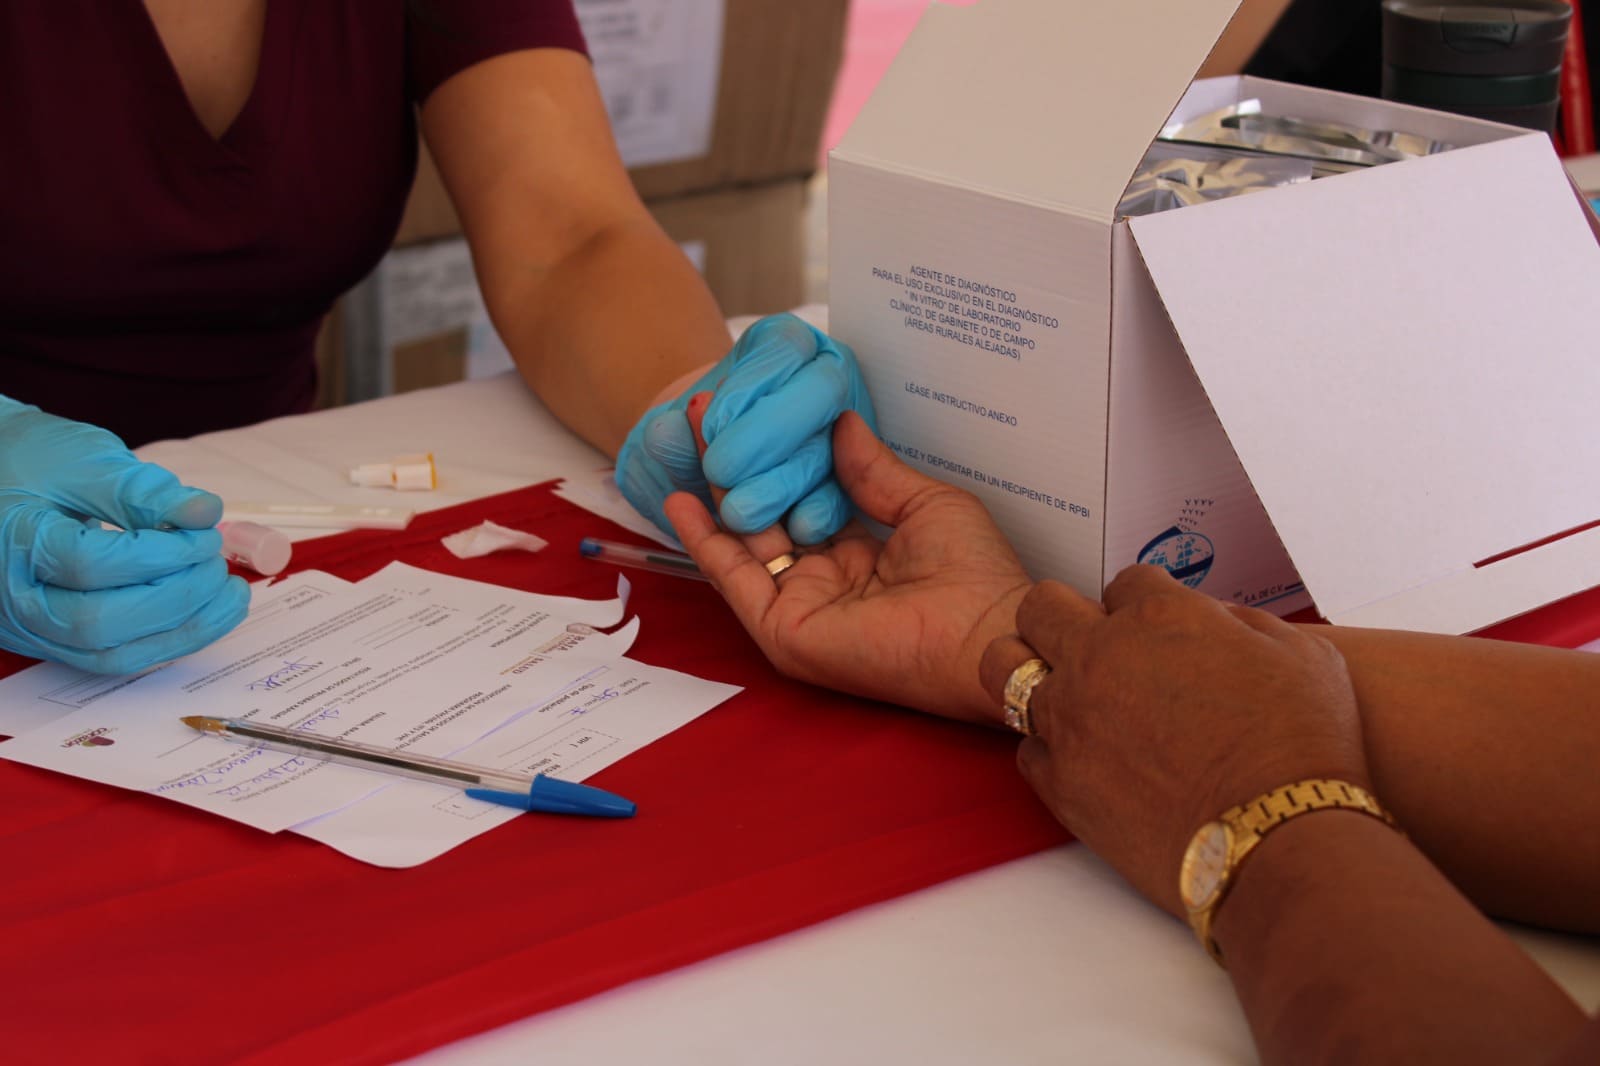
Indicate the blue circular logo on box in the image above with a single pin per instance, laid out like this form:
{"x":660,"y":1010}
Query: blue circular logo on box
{"x":1186,"y":556}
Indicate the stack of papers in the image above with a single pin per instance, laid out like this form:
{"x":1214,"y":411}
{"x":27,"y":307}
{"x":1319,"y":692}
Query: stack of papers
{"x":407,"y":658}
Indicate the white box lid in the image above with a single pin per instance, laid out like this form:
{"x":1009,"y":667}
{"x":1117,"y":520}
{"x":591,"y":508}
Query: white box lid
{"x":1405,"y":361}
{"x":962,"y":100}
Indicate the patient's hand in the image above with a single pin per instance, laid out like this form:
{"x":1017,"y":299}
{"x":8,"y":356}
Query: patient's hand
{"x":904,"y":620}
{"x":1165,"y":707}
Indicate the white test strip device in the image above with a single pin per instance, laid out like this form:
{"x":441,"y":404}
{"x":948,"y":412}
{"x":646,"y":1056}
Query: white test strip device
{"x":317,"y":515}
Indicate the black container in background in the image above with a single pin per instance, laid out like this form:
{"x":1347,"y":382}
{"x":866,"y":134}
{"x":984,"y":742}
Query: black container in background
{"x":1499,"y":61}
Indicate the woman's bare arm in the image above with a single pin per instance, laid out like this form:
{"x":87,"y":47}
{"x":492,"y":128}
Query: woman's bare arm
{"x":1489,"y":754}
{"x":1346,"y":945}
{"x":600,"y":309}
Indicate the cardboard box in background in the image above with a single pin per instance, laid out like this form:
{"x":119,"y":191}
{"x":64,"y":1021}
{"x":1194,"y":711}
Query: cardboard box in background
{"x":332,"y":388}
{"x":1384,"y":380}
{"x":778,"y":63}
{"x":780,"y":59}
{"x":719,"y":149}
{"x":429,"y":214}
{"x":753,"y":239}
{"x":422,"y":321}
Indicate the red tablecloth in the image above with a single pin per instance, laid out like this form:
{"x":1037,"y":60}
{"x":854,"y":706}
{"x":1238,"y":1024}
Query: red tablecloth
{"x":137,"y":930}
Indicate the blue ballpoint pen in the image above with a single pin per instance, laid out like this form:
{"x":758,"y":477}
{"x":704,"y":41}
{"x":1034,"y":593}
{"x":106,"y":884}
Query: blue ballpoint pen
{"x":536,"y":793}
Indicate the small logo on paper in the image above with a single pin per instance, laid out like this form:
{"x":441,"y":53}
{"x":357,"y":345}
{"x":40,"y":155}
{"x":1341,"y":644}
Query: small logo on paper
{"x":93,"y":738}
{"x":1187,"y":556}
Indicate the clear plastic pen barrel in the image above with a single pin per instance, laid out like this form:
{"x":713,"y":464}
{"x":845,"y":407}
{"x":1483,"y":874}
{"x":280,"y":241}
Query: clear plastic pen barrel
{"x":366,"y":756}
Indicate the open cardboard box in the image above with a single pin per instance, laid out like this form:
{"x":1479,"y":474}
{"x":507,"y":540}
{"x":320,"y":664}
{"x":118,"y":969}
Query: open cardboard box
{"x":1385,"y":384}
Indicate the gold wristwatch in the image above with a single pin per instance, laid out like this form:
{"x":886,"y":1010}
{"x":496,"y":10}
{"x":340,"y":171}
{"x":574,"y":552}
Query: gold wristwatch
{"x":1212,"y":860}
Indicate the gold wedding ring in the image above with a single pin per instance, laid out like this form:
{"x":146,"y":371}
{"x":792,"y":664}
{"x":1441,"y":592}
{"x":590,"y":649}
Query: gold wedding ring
{"x":780,"y":564}
{"x":1019,"y":691}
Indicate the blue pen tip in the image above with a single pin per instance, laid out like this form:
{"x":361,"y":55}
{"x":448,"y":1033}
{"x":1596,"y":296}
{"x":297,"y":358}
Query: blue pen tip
{"x":551,"y":796}
{"x":587,"y":546}
{"x":585,"y":798}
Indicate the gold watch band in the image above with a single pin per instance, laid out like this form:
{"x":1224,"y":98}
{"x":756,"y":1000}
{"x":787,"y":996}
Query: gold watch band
{"x":1264,"y":813}
{"x":1248,"y":823}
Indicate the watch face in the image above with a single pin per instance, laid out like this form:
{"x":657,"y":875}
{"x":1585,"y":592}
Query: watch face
{"x":1205,"y":863}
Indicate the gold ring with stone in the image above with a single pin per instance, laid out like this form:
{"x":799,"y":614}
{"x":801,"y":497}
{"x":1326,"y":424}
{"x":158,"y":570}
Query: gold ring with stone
{"x":780,"y":564}
{"x":1019,"y":691}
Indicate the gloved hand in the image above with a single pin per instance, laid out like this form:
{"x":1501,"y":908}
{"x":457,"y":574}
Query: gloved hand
{"x":768,"y":435}
{"x":112,"y":602}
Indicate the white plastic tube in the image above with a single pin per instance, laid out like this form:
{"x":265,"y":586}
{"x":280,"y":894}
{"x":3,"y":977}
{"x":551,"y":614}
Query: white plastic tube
{"x":260,"y":548}
{"x":408,"y":473}
{"x":317,"y":515}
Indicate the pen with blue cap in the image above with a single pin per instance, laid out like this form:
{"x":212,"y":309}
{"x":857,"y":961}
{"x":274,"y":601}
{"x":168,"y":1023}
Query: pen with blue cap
{"x":662,"y":562}
{"x":536,"y":793}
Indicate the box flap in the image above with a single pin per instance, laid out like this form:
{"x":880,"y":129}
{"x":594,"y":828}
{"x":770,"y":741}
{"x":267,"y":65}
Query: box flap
{"x":1404,"y":360}
{"x":1050,"y":101}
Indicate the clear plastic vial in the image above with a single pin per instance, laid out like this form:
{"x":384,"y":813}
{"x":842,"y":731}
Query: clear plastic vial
{"x":260,"y":548}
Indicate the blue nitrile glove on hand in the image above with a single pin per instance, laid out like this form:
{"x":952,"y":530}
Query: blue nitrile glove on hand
{"x":768,"y":435}
{"x":112,"y":602}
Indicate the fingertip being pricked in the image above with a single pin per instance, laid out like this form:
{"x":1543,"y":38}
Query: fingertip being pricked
{"x":696,"y":411}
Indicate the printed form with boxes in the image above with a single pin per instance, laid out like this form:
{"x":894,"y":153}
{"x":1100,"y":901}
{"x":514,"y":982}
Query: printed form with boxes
{"x":1375,"y":392}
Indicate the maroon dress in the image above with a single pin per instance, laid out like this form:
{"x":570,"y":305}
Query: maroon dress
{"x":161,"y":282}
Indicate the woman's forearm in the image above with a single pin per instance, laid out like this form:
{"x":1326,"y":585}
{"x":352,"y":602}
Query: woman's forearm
{"x":1488,"y":752}
{"x":602,"y":333}
{"x":1346,"y":945}
{"x":599,"y":308}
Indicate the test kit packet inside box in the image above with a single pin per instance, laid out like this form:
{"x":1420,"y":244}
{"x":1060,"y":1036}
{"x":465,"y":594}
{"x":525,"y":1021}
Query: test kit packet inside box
{"x":1374,"y":391}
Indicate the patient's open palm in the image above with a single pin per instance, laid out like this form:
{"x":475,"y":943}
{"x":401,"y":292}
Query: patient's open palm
{"x":904,"y":620}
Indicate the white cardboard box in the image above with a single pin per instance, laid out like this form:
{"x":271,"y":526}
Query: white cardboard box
{"x":1399,"y":366}
{"x":650,"y":58}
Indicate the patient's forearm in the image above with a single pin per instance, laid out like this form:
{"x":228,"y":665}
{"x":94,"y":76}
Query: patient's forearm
{"x":1345,"y":945}
{"x":1489,"y":754}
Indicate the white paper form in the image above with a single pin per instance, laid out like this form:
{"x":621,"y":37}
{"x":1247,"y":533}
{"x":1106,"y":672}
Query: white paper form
{"x":42,"y":694}
{"x":406,"y":659}
{"x":612,"y":710}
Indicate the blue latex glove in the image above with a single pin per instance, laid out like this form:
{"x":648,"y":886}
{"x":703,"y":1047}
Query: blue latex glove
{"x":768,"y":435}
{"x":101,"y":600}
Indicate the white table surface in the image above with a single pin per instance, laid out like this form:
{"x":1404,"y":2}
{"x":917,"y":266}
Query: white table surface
{"x":1048,"y":959}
